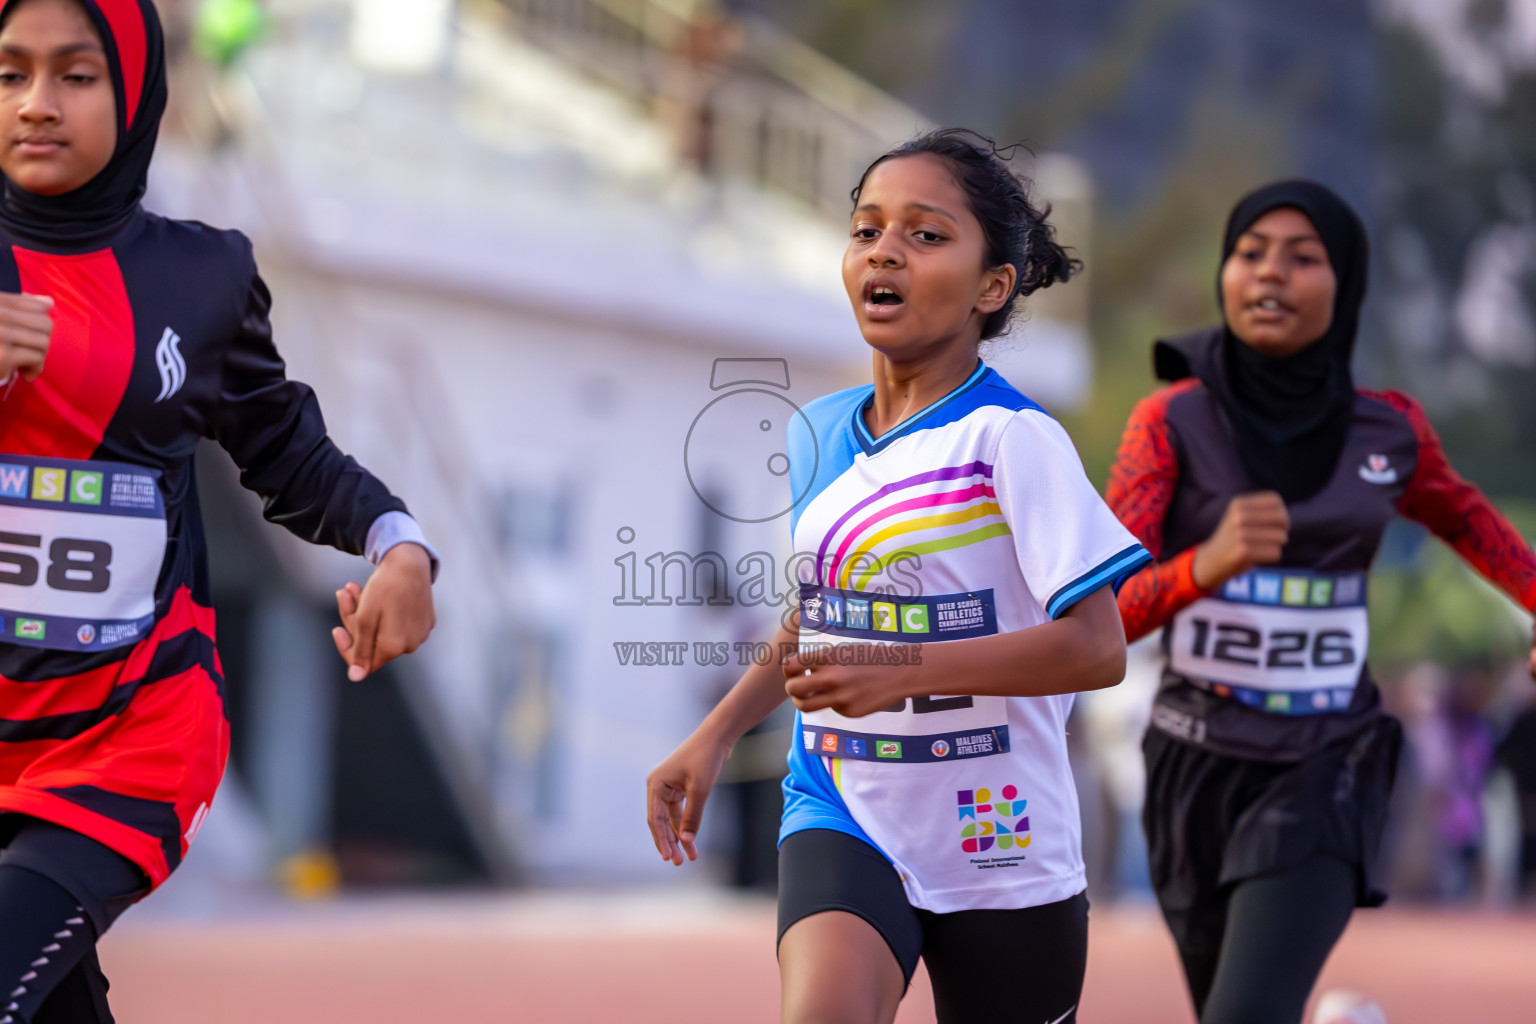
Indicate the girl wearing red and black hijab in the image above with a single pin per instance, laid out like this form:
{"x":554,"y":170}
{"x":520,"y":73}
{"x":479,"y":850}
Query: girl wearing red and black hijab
{"x":125,"y":338}
{"x":1261,"y":479}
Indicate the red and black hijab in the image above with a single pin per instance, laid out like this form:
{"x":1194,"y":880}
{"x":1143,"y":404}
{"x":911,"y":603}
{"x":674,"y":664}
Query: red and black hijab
{"x":91,"y":215}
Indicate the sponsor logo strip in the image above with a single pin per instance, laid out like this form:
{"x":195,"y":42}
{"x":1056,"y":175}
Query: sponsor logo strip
{"x":949,"y":746}
{"x":1296,"y":588}
{"x":105,"y":488}
{"x":1294,"y":703}
{"x":59,"y":632}
{"x":866,"y":616}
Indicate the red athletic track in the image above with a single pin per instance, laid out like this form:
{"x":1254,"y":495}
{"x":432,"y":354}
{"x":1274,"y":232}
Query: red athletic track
{"x":645,"y":960}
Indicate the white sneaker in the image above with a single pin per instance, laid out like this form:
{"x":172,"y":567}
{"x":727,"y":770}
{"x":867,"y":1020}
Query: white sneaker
{"x":1341,"y":1007}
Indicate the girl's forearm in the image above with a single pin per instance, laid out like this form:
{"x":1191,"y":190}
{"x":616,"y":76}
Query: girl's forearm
{"x":1082,"y":650}
{"x":754,"y":697}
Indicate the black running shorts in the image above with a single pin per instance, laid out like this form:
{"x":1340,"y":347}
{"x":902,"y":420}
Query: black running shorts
{"x":1014,"y":965}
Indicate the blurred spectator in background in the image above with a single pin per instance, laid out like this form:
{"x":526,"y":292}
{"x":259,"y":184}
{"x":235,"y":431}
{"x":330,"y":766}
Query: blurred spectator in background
{"x":1517,"y":755}
{"x":1450,"y":755}
{"x":1110,"y":724}
{"x":1463,"y":761}
{"x":691,"y":78}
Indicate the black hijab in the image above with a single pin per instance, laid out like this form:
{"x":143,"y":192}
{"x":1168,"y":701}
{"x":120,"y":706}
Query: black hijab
{"x":94,"y":213}
{"x":1290,"y":415}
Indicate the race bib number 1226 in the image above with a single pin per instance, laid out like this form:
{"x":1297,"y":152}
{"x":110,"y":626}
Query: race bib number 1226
{"x":1283,"y":641}
{"x":81,"y":545}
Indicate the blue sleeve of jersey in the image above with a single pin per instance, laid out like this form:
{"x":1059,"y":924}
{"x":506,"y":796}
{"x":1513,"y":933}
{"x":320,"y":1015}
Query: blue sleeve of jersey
{"x":821,"y":445}
{"x":1113,"y":571}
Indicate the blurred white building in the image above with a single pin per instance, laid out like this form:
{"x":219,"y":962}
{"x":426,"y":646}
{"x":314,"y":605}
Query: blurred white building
{"x":508,"y":243}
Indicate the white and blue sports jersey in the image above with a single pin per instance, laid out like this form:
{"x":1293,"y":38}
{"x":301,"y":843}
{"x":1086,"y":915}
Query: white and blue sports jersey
{"x":970,"y":518}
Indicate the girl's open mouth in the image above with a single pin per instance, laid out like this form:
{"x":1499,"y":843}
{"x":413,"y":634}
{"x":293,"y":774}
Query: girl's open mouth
{"x":881,"y":301}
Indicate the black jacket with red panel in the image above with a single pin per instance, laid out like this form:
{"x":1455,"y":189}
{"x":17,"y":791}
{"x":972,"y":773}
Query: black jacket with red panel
{"x":111,"y":710}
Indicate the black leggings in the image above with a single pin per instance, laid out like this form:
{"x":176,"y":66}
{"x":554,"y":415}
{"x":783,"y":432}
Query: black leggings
{"x":59,"y":891}
{"x":1277,"y":933}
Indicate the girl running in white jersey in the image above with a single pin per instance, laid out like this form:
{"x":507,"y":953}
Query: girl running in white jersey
{"x":929,"y":809}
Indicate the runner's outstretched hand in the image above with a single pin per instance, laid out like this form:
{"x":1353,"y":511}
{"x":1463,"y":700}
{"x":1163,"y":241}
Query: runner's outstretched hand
{"x":26,"y":326}
{"x":390,"y":616}
{"x":675,"y":794}
{"x":1253,"y":531}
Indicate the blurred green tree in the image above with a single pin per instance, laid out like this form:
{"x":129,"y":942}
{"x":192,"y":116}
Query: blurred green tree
{"x":226,"y":28}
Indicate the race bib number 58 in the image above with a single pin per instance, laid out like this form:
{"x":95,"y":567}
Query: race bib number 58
{"x":1290,"y":643}
{"x":81,"y":545}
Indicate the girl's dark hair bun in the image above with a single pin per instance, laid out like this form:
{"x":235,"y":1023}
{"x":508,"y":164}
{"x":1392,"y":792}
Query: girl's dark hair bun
{"x":1017,"y":231}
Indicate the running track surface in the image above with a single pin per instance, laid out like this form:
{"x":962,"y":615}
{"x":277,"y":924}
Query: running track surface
{"x":697,"y":959}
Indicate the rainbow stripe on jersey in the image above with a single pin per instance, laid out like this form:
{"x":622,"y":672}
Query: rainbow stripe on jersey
{"x":926,"y":513}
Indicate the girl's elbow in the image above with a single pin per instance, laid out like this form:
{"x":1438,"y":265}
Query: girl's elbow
{"x":1109,"y":664}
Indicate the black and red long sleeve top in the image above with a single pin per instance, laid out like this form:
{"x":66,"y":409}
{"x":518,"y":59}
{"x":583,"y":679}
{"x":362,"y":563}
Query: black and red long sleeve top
{"x":111,"y":694}
{"x":1174,"y":475}
{"x":161,"y":338}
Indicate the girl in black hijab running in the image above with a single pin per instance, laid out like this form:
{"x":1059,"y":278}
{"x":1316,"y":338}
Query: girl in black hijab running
{"x":126,"y":338}
{"x":1261,"y":479}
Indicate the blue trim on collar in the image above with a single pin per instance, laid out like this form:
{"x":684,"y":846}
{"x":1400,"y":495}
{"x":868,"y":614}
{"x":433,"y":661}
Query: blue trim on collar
{"x":872,"y":446}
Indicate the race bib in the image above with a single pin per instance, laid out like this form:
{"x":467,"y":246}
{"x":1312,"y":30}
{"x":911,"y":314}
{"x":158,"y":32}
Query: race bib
{"x":919,"y":730}
{"x":1284,"y":641}
{"x":81,"y":544}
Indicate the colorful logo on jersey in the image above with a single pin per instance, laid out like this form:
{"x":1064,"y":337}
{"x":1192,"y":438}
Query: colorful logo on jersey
{"x":829,"y":743}
{"x":810,"y":740}
{"x":810,"y":608}
{"x":1378,"y":470}
{"x":914,"y":618}
{"x":992,"y":823}
{"x":885,"y":616}
{"x":85,"y":634}
{"x":834,"y":611}
{"x":940,"y":748}
{"x":857,"y":612}
{"x":48,"y":484}
{"x":1266,"y":588}
{"x":13,"y":480}
{"x":1280,"y":702}
{"x":85,"y":487}
{"x":887,"y":748}
{"x":855,"y":746}
{"x":31,"y":629}
{"x":1295,"y":590}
